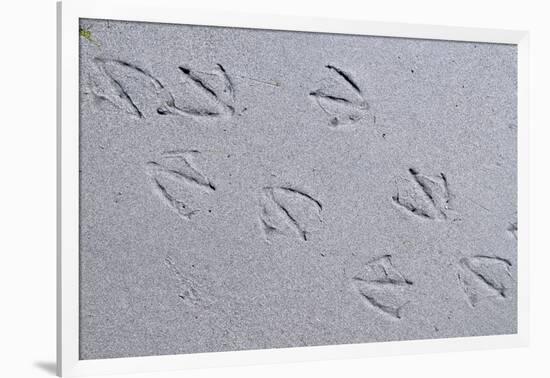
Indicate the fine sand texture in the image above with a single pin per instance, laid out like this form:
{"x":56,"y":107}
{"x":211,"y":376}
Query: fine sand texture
{"x":249,"y":189}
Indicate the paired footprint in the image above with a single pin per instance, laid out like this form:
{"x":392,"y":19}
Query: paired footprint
{"x":131,"y":89}
{"x":383,"y":288}
{"x":284,"y":210}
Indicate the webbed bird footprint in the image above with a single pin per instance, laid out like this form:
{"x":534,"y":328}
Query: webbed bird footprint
{"x":483,"y":277}
{"x":174,"y":176}
{"x":127,"y":87}
{"x":207,"y":94}
{"x":425,"y":197}
{"x":341,"y":98}
{"x":382,"y":287}
{"x":288,"y":211}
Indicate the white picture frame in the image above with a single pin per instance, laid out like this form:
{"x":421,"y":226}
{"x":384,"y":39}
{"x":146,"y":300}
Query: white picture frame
{"x":169,"y":11}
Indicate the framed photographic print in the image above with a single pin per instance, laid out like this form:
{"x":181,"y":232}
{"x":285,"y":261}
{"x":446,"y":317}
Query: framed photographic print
{"x":238,"y":188}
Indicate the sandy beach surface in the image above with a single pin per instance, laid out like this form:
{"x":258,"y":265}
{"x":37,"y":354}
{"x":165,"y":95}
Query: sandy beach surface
{"x":248,"y":189}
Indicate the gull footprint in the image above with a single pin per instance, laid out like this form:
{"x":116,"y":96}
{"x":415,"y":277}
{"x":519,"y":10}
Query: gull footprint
{"x":425,"y":197}
{"x":215,"y":88}
{"x":382,"y":286}
{"x":341,"y":99}
{"x":288,"y":211}
{"x":126,"y":86}
{"x":482,"y":277}
{"x":176,"y":167}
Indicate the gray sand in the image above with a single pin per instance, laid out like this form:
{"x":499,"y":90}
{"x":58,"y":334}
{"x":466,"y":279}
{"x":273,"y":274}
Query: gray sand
{"x":247,"y":189}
